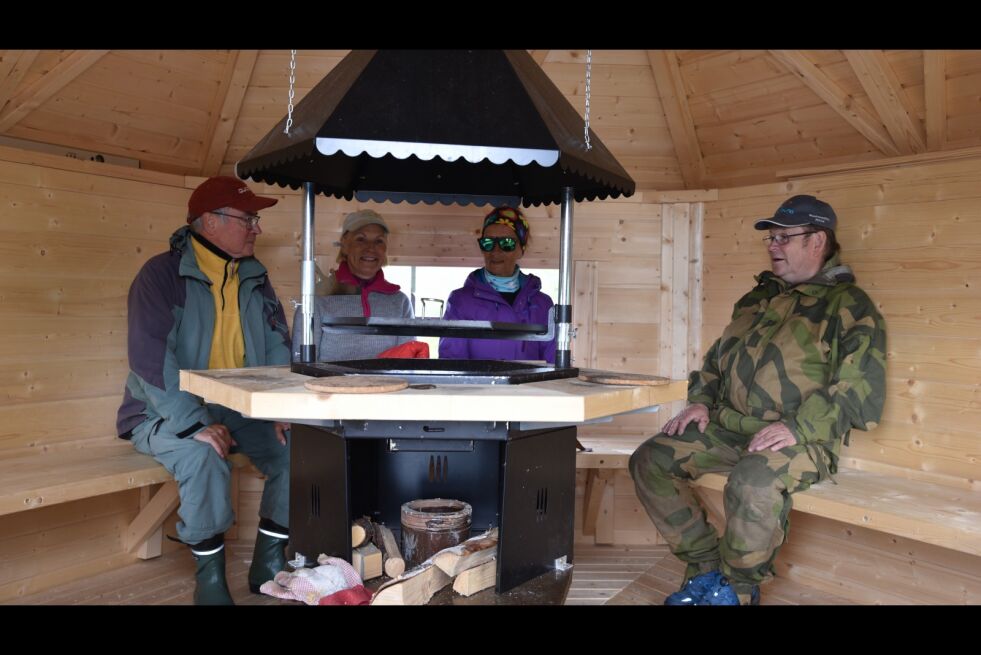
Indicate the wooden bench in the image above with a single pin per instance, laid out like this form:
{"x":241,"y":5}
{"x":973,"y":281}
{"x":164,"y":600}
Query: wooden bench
{"x":927,"y":512}
{"x":923,"y":511}
{"x":604,"y":457}
{"x":36,"y":481}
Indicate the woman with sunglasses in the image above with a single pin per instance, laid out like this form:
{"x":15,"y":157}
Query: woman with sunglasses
{"x":500,"y":292}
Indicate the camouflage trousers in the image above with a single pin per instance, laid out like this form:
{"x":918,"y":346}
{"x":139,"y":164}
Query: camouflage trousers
{"x":757,"y":498}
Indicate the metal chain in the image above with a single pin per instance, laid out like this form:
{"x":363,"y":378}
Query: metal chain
{"x":589,"y":65}
{"x":289,"y":108}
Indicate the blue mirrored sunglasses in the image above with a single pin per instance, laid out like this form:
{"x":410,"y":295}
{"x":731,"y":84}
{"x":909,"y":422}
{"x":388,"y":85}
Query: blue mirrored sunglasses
{"x":507,"y":244}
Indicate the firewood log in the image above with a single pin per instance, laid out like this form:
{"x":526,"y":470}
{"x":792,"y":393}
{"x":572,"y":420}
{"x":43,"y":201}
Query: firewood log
{"x":394,"y":565}
{"x":414,"y":587}
{"x":476,"y":579}
{"x":472,"y":552}
{"x":367,"y":561}
{"x":361,"y":531}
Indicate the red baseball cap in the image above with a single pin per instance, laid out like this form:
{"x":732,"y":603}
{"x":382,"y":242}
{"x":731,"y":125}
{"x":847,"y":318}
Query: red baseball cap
{"x":223,"y":191}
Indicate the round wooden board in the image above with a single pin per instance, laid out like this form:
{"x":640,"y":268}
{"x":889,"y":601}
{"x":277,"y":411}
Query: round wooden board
{"x":622,"y":379}
{"x":356,"y":384}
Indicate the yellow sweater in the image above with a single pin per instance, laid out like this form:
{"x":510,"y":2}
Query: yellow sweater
{"x":227,"y":342}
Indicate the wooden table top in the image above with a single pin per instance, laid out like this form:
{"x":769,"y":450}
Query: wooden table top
{"x":274,"y":392}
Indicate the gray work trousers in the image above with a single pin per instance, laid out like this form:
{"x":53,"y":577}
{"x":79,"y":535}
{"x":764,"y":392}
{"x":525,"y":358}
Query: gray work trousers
{"x":204,"y":478}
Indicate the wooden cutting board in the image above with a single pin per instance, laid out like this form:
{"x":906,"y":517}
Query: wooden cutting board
{"x":621,"y":379}
{"x":356,"y":384}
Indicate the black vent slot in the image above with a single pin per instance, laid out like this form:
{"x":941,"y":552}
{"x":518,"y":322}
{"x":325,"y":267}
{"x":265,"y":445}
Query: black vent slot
{"x":315,"y":500}
{"x":541,"y":504}
{"x":439,"y":468}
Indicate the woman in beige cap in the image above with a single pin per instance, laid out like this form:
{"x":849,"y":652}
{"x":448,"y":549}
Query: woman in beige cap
{"x":356,"y":288}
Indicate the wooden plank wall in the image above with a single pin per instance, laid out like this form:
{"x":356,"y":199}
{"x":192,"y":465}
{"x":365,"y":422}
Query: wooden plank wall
{"x":658,"y":312}
{"x":912,"y":234}
{"x":71,"y":243}
{"x":72,"y":238}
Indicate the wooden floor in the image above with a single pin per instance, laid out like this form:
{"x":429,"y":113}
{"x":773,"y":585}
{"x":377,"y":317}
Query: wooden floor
{"x":654,"y":585}
{"x":603,"y":575}
{"x":602,"y":572}
{"x":165,"y":580}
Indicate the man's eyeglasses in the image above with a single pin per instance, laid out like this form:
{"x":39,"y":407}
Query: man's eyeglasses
{"x":251,"y":220}
{"x":507,"y":244}
{"x":784,"y":239}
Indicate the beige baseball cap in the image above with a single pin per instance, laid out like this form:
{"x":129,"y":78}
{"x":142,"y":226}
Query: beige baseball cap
{"x":357,"y":220}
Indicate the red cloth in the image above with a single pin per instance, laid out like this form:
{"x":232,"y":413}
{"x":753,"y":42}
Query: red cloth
{"x":377,"y":284}
{"x":356,"y":595}
{"x":410,"y":350}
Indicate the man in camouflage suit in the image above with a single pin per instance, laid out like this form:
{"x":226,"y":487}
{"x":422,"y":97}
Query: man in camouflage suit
{"x":801,"y":363}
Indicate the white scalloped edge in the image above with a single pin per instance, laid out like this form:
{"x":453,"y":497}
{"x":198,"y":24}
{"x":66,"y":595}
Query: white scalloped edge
{"x":427,"y":151}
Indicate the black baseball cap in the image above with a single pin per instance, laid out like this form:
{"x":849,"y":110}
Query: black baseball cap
{"x":801,"y":210}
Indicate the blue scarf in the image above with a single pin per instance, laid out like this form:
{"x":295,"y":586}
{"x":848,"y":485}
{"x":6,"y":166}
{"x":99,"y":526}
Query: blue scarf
{"x":509,"y":284}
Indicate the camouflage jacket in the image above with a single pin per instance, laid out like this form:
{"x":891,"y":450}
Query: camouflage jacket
{"x":810,"y":355}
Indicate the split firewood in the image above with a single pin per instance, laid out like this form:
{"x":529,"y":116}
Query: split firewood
{"x":414,"y":587}
{"x":392,"y":560}
{"x":476,"y":579}
{"x":361,"y":531}
{"x":367,"y":561}
{"x":472,"y":552}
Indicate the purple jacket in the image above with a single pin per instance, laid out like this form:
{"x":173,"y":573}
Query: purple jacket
{"x":478,"y":301}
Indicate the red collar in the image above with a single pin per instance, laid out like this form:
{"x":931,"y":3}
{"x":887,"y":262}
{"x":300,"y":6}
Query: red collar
{"x":377,"y":284}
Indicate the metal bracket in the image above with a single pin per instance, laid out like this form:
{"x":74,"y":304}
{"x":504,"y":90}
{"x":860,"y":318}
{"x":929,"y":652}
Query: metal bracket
{"x":562,"y":563}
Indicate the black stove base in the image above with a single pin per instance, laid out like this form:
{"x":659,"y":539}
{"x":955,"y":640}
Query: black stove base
{"x":523,"y":484}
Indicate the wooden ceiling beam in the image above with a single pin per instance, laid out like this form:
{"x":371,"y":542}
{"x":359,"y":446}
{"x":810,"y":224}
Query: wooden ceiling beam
{"x":13,"y":65}
{"x":862,"y":120}
{"x":226,"y":108}
{"x":935,"y":94}
{"x":871,"y":164}
{"x":887,"y":96}
{"x":539,"y":56}
{"x":674,"y":101}
{"x":40,"y":91}
{"x":160,"y":161}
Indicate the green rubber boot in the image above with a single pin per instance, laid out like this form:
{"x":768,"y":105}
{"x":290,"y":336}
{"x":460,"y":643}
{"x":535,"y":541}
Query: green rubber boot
{"x":211,"y":588}
{"x":269,"y":557}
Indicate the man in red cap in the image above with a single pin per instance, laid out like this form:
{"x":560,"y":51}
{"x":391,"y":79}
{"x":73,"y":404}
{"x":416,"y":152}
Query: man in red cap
{"x":208,"y":303}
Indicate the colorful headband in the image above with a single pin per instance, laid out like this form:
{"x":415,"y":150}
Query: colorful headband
{"x":513,"y":219}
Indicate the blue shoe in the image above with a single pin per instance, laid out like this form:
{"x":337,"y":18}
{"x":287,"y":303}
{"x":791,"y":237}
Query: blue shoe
{"x":724,"y":594}
{"x":695,"y":589}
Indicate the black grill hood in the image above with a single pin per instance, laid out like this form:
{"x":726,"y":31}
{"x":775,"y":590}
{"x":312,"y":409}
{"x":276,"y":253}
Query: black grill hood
{"x":448,"y":126}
